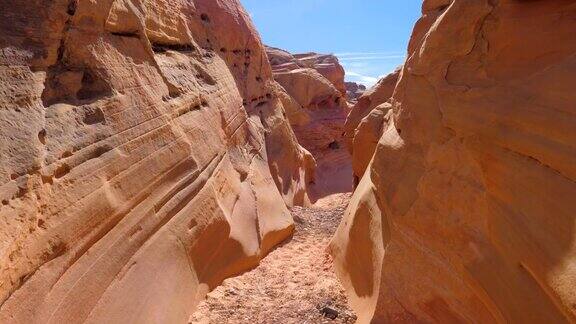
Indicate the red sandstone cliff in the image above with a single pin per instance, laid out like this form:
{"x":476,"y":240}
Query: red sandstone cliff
{"x":466,"y":212}
{"x":142,"y":149}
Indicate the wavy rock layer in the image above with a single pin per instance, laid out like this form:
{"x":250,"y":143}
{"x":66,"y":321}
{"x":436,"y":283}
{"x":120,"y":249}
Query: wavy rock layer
{"x":141,"y":152}
{"x":317,"y":109}
{"x":466,"y":212}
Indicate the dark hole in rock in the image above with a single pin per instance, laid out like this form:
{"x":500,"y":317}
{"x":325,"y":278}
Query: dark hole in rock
{"x":66,"y":154}
{"x":41,"y":223}
{"x":42,"y":136}
{"x":133,"y":34}
{"x":444,"y":7}
{"x":63,"y":170}
{"x":162,"y":48}
{"x":4,"y":202}
{"x":14,"y":176}
{"x":47,"y":180}
{"x":399,"y":131}
{"x":72,"y":8}
{"x":94,"y":116}
{"x":93,"y":87}
{"x":334,"y":145}
{"x":329,"y":312}
{"x":205,"y":18}
{"x":193,"y":223}
{"x":223,"y":50}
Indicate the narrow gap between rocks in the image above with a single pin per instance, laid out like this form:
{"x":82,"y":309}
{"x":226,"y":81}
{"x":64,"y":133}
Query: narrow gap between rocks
{"x":295,"y":283}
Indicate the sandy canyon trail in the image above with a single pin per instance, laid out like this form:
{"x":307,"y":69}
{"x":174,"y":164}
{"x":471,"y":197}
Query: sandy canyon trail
{"x":295,"y":283}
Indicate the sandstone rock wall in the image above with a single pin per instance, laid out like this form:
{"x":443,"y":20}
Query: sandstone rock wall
{"x":466,"y":211}
{"x":365,"y":121}
{"x":317,"y":110}
{"x":317,"y":107}
{"x":144,"y":157}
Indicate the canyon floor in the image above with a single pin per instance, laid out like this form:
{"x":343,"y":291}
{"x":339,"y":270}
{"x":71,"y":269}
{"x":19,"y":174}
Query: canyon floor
{"x":295,"y":283}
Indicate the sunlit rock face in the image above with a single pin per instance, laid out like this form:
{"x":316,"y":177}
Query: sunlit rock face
{"x":317,"y":108}
{"x":327,"y":65}
{"x":310,"y":85}
{"x":466,"y":211}
{"x":142,"y":149}
{"x":365,"y":121}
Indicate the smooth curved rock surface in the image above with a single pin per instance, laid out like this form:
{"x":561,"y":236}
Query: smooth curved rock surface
{"x":144,"y":157}
{"x":370,"y":99}
{"x":466,"y":211}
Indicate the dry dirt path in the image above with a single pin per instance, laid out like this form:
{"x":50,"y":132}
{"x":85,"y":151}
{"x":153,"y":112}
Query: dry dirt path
{"x":293,"y":284}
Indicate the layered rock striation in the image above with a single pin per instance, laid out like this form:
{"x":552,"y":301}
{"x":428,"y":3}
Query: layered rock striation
{"x":317,"y":111}
{"x":466,"y":210}
{"x":144,"y":157}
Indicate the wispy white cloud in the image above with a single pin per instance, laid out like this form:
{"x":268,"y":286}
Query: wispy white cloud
{"x":371,"y":58}
{"x":360,"y":78}
{"x":356,"y":54}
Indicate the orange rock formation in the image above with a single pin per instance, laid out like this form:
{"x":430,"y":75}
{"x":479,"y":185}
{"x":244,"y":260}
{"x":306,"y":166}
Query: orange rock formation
{"x":466,"y":211}
{"x":311,"y":88}
{"x":144,"y":157}
{"x":363,"y":126}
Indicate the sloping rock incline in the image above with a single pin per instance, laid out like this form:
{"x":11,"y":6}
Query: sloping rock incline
{"x":466,"y":212}
{"x":141,"y":151}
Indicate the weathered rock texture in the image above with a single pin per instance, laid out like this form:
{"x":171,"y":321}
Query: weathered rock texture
{"x":141,"y":147}
{"x":317,"y":109}
{"x":466,"y":212}
{"x":354,"y":91}
{"x":364,"y":124}
{"x":325,"y":64}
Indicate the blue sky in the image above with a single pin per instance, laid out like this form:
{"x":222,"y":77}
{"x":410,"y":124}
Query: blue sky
{"x":369,"y":36}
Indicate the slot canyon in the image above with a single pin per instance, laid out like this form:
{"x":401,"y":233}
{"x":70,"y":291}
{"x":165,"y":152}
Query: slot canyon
{"x":160,"y":164}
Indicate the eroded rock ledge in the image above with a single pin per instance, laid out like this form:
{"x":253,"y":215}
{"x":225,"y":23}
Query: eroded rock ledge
{"x":466,"y":211}
{"x":312,"y":90}
{"x":142,"y":149}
